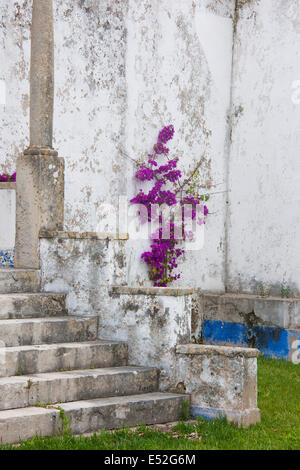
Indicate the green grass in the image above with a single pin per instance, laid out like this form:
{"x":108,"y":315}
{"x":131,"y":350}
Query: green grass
{"x":279,"y":401}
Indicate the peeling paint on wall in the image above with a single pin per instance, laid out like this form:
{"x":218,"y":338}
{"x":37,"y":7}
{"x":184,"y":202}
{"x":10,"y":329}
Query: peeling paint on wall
{"x":126,"y":68}
{"x":264,"y":197}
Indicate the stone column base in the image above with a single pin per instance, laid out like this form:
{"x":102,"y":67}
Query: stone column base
{"x":39,"y":204}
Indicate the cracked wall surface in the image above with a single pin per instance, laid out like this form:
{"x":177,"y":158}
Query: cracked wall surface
{"x":178,"y":71}
{"x":124,"y":69}
{"x":264,"y":166}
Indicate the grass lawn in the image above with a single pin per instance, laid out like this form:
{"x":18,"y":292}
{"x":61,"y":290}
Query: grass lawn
{"x":278,"y":399}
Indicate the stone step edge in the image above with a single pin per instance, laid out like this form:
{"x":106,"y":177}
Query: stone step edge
{"x":54,"y":387}
{"x":32,"y":305}
{"x":63,"y":318}
{"x":19,"y":280}
{"x":33,"y":294}
{"x":48,"y":330}
{"x":17,"y":360}
{"x":68,"y":374}
{"x":245,"y":296}
{"x":69,"y":344}
{"x":19,"y":270}
{"x":130,"y":410}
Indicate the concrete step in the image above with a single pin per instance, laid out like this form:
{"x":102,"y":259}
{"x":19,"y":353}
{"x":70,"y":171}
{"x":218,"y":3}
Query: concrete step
{"x":91,"y":415}
{"x":36,"y":359}
{"x":19,"y":280}
{"x":57,"y":387}
{"x":20,"y":332}
{"x":32,"y":305}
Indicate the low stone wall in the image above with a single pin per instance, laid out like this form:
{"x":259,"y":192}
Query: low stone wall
{"x":153,"y":321}
{"x":270,"y":324}
{"x":83,"y":265}
{"x":8,"y":222}
{"x":220,"y":380}
{"x":242,"y":308}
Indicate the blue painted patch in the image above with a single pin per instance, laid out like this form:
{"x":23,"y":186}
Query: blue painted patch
{"x":7,"y":258}
{"x":271,"y":341}
{"x":206,"y":413}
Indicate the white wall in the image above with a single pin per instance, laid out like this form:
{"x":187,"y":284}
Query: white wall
{"x":178,"y":64}
{"x":7,"y":218}
{"x":264,"y":166}
{"x":123,"y":70}
{"x":126,"y":68}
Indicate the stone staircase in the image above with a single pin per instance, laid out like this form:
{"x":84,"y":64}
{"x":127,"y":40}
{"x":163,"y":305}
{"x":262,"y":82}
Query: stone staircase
{"x":51,"y":361}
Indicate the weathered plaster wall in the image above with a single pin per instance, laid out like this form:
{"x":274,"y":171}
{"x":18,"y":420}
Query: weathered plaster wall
{"x":90,"y":97}
{"x":178,"y":71}
{"x":15,"y":18}
{"x":123,"y":70}
{"x":84,"y":268}
{"x":263,"y":221}
{"x":7,"y":216}
{"x":152,"y":321}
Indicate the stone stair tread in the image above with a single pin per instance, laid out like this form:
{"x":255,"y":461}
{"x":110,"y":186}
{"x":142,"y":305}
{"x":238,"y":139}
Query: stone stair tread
{"x":32,"y":305}
{"x":90,"y":415}
{"x":67,"y":374}
{"x":32,"y":294}
{"x":119,"y":400}
{"x":28,"y":295}
{"x":18,"y":270}
{"x":24,"y":331}
{"x":95,"y":402}
{"x":51,"y":346}
{"x":19,"y":280}
{"x":84,"y":384}
{"x":66,"y":318}
{"x":41,"y":358}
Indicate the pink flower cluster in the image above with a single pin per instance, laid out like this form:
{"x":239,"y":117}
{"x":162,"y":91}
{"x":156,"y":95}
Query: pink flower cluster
{"x":6,"y":178}
{"x":166,"y":134}
{"x":162,"y":259}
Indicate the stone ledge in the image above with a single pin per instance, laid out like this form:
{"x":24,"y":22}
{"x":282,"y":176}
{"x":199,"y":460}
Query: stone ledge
{"x":168,"y":291}
{"x":234,"y":296}
{"x":7,"y":185}
{"x":204,"y":349}
{"x":83,"y":235}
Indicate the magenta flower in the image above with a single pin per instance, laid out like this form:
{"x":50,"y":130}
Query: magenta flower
{"x":164,"y":253}
{"x":166,"y":134}
{"x":6,"y":178}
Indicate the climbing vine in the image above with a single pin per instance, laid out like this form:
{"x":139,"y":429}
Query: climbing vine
{"x":168,"y":189}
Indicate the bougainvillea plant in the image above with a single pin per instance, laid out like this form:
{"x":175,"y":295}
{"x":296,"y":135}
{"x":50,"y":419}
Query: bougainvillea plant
{"x":6,"y":178}
{"x":168,"y":189}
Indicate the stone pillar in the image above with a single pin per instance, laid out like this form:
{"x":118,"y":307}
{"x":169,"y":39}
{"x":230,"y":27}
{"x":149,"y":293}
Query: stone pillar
{"x":40,"y":172}
{"x":221,"y":380}
{"x":41,"y":78}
